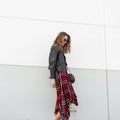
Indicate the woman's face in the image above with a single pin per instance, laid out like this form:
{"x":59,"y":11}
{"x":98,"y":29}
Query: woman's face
{"x":64,"y":40}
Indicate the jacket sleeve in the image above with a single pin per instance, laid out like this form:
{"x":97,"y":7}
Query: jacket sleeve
{"x":52,"y":61}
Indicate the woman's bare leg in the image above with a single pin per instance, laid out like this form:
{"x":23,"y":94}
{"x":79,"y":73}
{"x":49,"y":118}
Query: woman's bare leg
{"x":70,"y":104}
{"x":57,"y":116}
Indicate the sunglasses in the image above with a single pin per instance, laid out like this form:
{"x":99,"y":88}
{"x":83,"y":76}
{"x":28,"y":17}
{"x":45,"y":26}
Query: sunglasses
{"x":65,"y":40}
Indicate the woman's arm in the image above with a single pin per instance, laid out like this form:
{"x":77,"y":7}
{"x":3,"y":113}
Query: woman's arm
{"x":52,"y":60}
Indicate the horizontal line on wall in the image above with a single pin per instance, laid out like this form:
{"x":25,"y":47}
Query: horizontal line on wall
{"x":47,"y":67}
{"x":55,"y":21}
{"x":44,"y":20}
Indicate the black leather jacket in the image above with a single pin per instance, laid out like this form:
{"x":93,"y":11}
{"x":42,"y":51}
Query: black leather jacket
{"x":57,"y":61}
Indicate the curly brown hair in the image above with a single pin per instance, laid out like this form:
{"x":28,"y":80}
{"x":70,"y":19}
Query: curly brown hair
{"x":67,"y":47}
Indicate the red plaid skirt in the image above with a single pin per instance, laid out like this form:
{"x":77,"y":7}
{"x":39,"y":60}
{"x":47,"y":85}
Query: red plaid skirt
{"x":65,"y":95}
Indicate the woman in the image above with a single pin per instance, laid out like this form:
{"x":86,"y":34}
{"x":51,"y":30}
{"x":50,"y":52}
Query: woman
{"x":59,"y":76}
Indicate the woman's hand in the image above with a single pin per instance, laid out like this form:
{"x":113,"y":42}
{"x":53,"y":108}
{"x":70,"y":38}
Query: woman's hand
{"x":53,"y":83}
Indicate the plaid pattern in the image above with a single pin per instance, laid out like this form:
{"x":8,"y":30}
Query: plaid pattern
{"x":65,"y":95}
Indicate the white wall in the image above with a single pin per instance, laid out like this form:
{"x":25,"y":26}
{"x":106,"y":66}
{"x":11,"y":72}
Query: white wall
{"x":28,"y":28}
{"x":28,"y":43}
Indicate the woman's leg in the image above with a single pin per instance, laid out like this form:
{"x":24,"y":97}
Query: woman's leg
{"x":57,"y":116}
{"x":70,"y":104}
